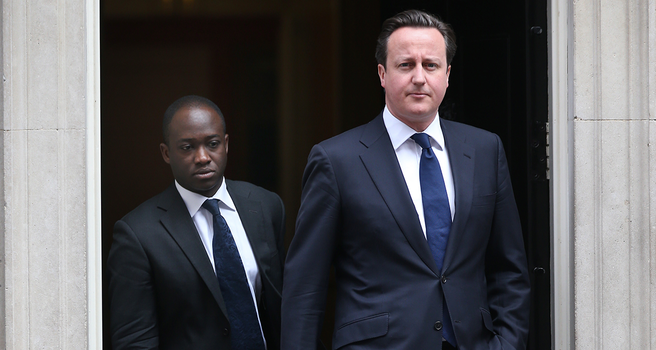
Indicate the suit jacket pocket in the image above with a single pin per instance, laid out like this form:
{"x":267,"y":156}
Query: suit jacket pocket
{"x":361,"y":329}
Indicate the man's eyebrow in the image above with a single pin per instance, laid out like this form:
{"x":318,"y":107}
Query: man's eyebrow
{"x":189,"y":139}
{"x":426,"y":58}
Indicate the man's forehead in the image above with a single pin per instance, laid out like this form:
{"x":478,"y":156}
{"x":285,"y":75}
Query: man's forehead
{"x":412,"y":43}
{"x":195,"y":125}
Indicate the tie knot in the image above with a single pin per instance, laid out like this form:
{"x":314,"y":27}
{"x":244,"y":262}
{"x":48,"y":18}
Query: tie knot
{"x":212,"y":205}
{"x":421,"y":139}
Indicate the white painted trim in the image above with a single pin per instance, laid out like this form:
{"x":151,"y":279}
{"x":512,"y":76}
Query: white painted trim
{"x":94,"y":228}
{"x":562,"y":179}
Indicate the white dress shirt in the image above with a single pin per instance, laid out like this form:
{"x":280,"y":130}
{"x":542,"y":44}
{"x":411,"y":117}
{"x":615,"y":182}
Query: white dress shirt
{"x":408,"y":152}
{"x":205,"y":225}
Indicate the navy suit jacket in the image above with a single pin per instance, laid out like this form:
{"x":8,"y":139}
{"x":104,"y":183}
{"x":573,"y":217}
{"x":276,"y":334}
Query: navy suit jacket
{"x":357,"y":214}
{"x":162,"y":288}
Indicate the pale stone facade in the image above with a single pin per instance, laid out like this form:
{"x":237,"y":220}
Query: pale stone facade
{"x":613,"y":106}
{"x":49,"y":188}
{"x":603,"y":173}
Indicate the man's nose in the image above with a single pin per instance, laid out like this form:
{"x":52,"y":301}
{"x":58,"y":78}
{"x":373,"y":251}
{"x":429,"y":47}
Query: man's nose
{"x":418,"y":75}
{"x":202,"y":156}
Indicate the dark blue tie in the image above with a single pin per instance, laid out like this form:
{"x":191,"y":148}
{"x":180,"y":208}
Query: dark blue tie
{"x":437,"y":213}
{"x":245,"y":328}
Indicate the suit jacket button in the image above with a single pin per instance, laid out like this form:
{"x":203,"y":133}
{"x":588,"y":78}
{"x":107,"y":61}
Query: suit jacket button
{"x":443,"y":279}
{"x":226,"y":331}
{"x":438,"y":326}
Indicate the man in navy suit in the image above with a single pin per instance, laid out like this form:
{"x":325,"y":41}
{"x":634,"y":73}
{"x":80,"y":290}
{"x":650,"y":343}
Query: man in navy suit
{"x":366,"y":209}
{"x":166,"y":284}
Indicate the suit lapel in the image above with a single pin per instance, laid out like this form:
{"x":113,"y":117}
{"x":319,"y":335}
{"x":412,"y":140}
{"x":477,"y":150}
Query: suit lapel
{"x":461,"y":158}
{"x":251,"y":215}
{"x":181,"y":227}
{"x":382,"y":165}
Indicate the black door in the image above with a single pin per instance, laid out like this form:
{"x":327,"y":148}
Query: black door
{"x":499,"y":83}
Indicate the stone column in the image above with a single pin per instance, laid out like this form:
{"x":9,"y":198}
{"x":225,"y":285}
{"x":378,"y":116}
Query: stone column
{"x":48,"y":188}
{"x":613,"y":99}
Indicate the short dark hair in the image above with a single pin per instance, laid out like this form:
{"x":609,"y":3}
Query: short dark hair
{"x":419,"y":19}
{"x":187,"y":102}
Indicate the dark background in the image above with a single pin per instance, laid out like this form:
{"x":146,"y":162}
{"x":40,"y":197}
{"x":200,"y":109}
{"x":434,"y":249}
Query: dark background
{"x":290,"y":73}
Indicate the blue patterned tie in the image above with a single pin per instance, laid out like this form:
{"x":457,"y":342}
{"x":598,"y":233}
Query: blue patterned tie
{"x":437,"y":213}
{"x":245,"y":328}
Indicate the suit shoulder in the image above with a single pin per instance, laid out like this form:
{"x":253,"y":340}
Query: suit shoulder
{"x":151,"y":207}
{"x":350,"y":142}
{"x":471,"y":133}
{"x":466,"y":128}
{"x":246,"y":189}
{"x":346,"y":137}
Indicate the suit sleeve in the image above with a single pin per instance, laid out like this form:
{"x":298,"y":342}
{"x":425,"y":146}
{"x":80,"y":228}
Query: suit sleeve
{"x":133,"y":318}
{"x":508,"y":286}
{"x":280,"y":238}
{"x":310,"y":255}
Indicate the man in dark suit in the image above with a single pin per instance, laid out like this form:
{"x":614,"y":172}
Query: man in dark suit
{"x":417,"y":216}
{"x":180,"y":278}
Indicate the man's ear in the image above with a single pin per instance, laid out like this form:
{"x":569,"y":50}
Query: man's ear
{"x":226,"y":142}
{"x":381,"y":75}
{"x":448,"y":72}
{"x":164,"y":149}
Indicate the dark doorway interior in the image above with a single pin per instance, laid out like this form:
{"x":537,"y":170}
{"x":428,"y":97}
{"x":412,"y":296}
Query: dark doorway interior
{"x":287,"y":77}
{"x":149,"y":63}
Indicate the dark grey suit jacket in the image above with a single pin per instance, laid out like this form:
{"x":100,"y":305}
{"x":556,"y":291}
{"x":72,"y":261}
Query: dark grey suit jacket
{"x":357,"y":214}
{"x":162,"y":289}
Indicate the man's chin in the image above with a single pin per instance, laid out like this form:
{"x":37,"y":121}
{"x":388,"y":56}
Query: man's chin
{"x":420,"y":114}
{"x":207,"y":189}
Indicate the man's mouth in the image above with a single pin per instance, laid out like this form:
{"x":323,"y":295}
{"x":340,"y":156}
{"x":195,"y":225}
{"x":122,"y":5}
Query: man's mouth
{"x":204,"y":173}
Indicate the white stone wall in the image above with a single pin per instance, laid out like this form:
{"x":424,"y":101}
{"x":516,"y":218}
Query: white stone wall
{"x":613,"y":99}
{"x":44,"y":174}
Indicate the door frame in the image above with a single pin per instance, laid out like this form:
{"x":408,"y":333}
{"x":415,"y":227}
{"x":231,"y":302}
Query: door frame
{"x":561,"y":174}
{"x":561,"y":161}
{"x":94,"y":214}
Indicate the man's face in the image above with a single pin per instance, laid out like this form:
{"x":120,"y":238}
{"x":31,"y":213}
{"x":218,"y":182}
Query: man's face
{"x":416,"y":76}
{"x":197,"y":149}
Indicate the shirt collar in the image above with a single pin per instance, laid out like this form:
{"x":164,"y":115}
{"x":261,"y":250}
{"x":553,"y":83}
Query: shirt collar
{"x":399,"y":132}
{"x":194,"y":201}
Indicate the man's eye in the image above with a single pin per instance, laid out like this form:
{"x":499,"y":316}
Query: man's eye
{"x":185,"y":147}
{"x":214,"y":144}
{"x":431,"y":65}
